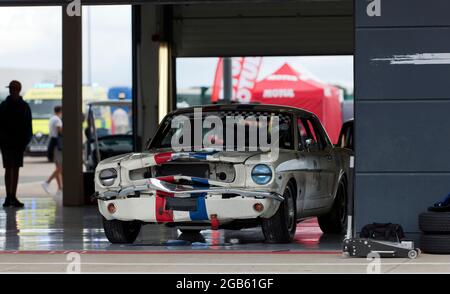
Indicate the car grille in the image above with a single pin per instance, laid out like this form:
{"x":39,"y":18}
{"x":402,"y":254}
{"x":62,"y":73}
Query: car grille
{"x":185,"y":169}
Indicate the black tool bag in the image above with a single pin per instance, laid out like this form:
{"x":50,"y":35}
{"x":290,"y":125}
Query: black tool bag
{"x":383,"y":232}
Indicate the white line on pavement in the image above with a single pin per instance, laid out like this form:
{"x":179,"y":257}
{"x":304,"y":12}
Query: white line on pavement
{"x":224,"y":264}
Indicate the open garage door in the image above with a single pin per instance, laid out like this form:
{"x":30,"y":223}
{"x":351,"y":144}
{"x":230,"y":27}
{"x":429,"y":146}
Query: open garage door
{"x":297,"y":28}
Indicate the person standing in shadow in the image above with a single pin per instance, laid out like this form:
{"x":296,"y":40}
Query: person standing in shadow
{"x":15,"y":134}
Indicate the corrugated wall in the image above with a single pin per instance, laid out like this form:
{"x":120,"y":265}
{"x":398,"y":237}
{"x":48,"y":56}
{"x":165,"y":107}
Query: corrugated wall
{"x":289,"y":28}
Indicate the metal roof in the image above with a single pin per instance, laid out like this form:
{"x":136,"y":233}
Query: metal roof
{"x":117,"y":2}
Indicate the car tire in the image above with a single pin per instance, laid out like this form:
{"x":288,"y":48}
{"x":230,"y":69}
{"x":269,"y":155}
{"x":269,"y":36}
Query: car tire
{"x":434,"y":222}
{"x":121,"y":232}
{"x":435,"y":243}
{"x":280,"y":228}
{"x":334,"y":222}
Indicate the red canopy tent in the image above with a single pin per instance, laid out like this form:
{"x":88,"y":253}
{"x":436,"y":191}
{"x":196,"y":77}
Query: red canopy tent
{"x":288,"y":87}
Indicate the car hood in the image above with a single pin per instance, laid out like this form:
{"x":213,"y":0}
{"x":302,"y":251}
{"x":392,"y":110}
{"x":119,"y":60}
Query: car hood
{"x":234,"y":156}
{"x":215,"y":156}
{"x":133,"y":160}
{"x":121,"y":158}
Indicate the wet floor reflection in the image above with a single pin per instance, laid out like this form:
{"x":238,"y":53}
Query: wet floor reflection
{"x":44,"y":224}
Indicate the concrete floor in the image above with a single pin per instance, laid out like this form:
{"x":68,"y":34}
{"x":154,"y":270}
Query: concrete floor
{"x":216,"y":263}
{"x":34,"y":172}
{"x":44,"y":224}
{"x":46,"y":237}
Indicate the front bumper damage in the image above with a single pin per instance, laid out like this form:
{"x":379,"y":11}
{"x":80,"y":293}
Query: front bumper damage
{"x":213,"y":201}
{"x":182,"y":191}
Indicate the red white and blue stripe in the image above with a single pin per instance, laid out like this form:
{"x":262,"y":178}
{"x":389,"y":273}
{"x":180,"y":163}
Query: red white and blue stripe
{"x":164,"y":157}
{"x":163,"y":215}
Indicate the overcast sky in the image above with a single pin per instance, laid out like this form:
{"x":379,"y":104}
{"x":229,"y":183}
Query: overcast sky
{"x":330,"y":69}
{"x":30,"y":37}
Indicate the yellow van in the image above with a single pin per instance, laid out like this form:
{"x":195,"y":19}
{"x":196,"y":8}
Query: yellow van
{"x":42,"y":100}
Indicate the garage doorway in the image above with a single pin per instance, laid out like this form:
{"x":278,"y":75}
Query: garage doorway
{"x":320,"y":84}
{"x":27,"y":33}
{"x":31,"y":52}
{"x":302,"y":39}
{"x":303,"y":28}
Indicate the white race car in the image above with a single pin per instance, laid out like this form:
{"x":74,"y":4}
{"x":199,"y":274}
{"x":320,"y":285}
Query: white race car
{"x":212,"y":188}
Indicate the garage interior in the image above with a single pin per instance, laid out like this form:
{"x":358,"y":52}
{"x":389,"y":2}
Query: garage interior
{"x":165,"y":30}
{"x":161,"y":33}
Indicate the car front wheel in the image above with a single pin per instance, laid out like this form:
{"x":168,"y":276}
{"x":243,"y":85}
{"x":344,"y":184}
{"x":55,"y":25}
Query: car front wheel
{"x":120,"y":232}
{"x":280,"y":228}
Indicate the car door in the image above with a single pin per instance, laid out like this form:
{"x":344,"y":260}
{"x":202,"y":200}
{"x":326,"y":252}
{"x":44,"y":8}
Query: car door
{"x":315,"y":185}
{"x":327,"y":161}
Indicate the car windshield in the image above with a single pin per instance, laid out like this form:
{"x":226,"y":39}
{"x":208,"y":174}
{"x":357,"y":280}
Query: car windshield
{"x":237,"y":126}
{"x":43,"y":108}
{"x":112,"y":119}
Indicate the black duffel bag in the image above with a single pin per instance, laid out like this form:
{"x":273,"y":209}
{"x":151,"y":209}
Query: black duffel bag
{"x":383,"y":232}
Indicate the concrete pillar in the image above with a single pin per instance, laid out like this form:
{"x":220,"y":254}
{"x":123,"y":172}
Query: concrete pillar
{"x":401,"y":110}
{"x":147,"y":28}
{"x":72,"y":109}
{"x":227,"y":80}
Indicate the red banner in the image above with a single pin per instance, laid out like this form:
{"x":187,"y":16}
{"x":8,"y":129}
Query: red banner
{"x":217,"y":84}
{"x":245,"y":71}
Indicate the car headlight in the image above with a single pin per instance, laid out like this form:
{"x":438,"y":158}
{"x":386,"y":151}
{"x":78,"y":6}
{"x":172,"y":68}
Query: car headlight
{"x":107,"y":177}
{"x":261,"y":174}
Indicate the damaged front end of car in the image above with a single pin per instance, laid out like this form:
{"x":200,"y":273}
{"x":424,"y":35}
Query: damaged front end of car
{"x":203,"y":187}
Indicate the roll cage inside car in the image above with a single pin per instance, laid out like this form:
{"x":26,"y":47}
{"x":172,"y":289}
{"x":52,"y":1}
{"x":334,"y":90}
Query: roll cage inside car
{"x":313,"y":129}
